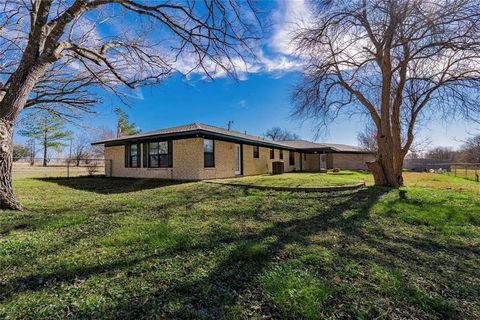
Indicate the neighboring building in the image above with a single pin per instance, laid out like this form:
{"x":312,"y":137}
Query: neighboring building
{"x":198,"y":151}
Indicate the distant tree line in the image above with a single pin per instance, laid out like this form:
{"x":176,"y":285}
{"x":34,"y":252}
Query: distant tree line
{"x":47,"y":133}
{"x":279,"y":134}
{"x":469,"y":152}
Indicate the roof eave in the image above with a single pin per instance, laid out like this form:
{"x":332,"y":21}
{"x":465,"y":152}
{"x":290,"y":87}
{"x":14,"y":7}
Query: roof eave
{"x":190,"y":134}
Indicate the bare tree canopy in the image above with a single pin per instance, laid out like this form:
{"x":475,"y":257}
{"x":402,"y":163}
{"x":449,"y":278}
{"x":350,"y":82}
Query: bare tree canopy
{"x":20,"y":151}
{"x":80,"y":149}
{"x":279,"y":134}
{"x":471,"y":150}
{"x":367,"y":138}
{"x":397,"y":61}
{"x":442,"y":153}
{"x":52,"y":52}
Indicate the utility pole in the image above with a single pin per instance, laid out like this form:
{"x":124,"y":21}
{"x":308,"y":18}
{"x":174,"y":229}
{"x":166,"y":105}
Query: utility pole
{"x":229,"y":125}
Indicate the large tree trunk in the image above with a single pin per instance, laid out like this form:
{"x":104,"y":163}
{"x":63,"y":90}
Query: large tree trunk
{"x":7,"y":198}
{"x":387,"y":168}
{"x":384,"y":174}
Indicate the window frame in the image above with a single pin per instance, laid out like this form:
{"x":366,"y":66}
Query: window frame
{"x":212,"y":164}
{"x":272,"y":153}
{"x":159,"y":155}
{"x":256,"y":152}
{"x":281,"y":154}
{"x":129,"y":156}
{"x":291,"y":158}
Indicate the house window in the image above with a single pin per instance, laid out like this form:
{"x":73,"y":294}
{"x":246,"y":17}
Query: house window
{"x":281,"y":154}
{"x":291,"y":158}
{"x":208,"y":153}
{"x":160,"y":154}
{"x":256,"y":152}
{"x":132,"y":156}
{"x":305,"y":156}
{"x":272,"y":153}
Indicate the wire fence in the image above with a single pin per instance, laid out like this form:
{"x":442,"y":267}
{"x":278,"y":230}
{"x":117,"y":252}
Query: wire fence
{"x":58,"y":167}
{"x":65,"y":167}
{"x":470,"y":171}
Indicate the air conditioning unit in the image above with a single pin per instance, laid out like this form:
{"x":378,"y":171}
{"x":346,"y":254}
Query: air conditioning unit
{"x":277,"y":167}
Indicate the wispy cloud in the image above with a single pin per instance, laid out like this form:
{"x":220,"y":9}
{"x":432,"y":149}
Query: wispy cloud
{"x":289,"y":17}
{"x":242,"y":104}
{"x":276,"y":55}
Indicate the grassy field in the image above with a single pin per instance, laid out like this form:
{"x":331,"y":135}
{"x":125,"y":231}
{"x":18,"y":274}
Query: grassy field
{"x":434,"y":180}
{"x":25,"y":170}
{"x":302,"y":179}
{"x":119,"y":248}
{"x":470,"y":174}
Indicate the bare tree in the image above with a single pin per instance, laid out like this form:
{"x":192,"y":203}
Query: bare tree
{"x":442,"y":153}
{"x":471,"y":150}
{"x":20,"y":152}
{"x":279,"y":134}
{"x":80,"y":148}
{"x":100,"y":134}
{"x":395,"y":61}
{"x":31,"y":143}
{"x":367,"y":139}
{"x":52,"y":52}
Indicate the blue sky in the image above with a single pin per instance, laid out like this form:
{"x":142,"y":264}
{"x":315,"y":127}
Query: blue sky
{"x":258,"y":101}
{"x":254,"y":105}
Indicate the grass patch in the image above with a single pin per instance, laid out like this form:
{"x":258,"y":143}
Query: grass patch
{"x":295,"y":291}
{"x":440,"y":209}
{"x":125,"y":248}
{"x":303,"y":179}
{"x":141,"y":232}
{"x":395,"y":282}
{"x":313,"y":179}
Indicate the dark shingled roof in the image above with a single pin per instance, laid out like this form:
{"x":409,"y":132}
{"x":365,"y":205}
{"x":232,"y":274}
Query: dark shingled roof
{"x":199,"y":128}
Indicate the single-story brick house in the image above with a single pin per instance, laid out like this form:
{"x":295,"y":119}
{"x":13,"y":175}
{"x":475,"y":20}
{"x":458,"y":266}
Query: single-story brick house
{"x":199,"y":151}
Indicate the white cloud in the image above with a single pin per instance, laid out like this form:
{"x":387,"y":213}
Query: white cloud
{"x":276,"y":56}
{"x":278,"y":63}
{"x":242,"y":104}
{"x":287,"y":19}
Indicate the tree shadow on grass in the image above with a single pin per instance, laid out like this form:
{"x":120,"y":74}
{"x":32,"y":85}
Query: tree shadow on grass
{"x":237,"y":275}
{"x":286,"y":232}
{"x":234,"y":281}
{"x":103,"y":185}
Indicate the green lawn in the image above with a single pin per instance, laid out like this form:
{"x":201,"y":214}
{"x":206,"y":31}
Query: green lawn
{"x":304,"y":179}
{"x":24,"y":170}
{"x":119,"y":248}
{"x":310,"y":179}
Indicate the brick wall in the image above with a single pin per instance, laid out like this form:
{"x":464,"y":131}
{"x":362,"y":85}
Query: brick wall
{"x":188,"y":161}
{"x":224,"y":161}
{"x":351,"y":161}
{"x":191,"y":149}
